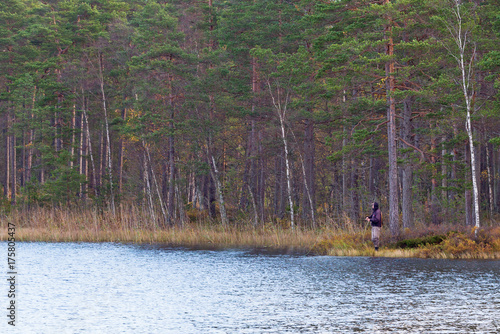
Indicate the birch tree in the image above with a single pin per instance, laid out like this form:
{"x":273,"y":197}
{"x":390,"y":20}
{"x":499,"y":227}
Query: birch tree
{"x":278,"y":73}
{"x":462,"y":47}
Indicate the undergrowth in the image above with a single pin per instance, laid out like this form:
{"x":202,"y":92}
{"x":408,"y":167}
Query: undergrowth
{"x":342,"y":239}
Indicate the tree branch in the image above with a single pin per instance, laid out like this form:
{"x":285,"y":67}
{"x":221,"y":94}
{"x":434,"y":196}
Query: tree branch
{"x":422,"y":153}
{"x":376,"y":129}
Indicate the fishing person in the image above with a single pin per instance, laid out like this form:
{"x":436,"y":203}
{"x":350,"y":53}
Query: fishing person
{"x":376,"y":221}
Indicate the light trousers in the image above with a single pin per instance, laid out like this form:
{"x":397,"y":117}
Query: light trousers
{"x":376,"y":236}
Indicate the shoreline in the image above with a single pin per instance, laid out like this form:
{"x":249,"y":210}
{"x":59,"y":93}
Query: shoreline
{"x":444,"y":241}
{"x":273,"y":241}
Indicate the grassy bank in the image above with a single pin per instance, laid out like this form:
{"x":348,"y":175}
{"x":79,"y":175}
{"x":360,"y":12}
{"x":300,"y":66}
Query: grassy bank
{"x":58,"y":225}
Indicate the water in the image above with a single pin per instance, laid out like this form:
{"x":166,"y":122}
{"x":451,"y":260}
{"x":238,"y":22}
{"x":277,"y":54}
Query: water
{"x":112,"y":288}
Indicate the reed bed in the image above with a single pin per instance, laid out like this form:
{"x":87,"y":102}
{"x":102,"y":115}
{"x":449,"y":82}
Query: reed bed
{"x":133,"y":225}
{"x":57,"y":225}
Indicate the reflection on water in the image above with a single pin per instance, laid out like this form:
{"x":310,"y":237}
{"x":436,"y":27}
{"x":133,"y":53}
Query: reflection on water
{"x":109,"y":288}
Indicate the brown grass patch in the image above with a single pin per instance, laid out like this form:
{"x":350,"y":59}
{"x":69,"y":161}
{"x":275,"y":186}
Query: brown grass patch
{"x":133,"y":225}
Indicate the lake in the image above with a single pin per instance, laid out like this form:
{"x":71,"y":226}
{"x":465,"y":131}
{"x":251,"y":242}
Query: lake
{"x":116,"y":288}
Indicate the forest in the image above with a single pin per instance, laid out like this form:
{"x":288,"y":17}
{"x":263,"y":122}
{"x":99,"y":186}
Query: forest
{"x":297,"y":113}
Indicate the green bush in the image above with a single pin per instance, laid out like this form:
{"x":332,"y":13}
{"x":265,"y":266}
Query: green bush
{"x":417,"y":242}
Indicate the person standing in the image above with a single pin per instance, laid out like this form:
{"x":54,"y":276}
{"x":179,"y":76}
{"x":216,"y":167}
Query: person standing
{"x":376,"y":222}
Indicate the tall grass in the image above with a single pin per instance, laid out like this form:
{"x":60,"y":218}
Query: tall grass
{"x":133,"y":225}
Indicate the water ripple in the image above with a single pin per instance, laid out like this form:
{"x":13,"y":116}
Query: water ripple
{"x":110,"y":288}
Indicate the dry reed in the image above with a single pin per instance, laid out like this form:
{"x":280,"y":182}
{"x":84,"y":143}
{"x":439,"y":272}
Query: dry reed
{"x":133,"y":225}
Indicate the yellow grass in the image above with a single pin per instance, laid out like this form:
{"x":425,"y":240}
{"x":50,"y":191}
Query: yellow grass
{"x":134,"y":226}
{"x":56,"y":225}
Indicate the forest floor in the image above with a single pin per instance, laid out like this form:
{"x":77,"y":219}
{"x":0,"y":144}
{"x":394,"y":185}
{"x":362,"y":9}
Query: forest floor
{"x":437,"y":241}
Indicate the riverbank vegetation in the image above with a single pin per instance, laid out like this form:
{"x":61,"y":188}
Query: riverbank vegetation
{"x":133,"y":226}
{"x":250,"y":116}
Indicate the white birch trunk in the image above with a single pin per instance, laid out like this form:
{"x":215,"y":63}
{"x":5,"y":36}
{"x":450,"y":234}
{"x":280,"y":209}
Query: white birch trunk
{"x":468,"y":91}
{"x":281,"y":110}
{"x":308,"y":192}
{"x":311,"y":205}
{"x":490,"y":182}
{"x":73,"y":129}
{"x":288,"y":173}
{"x":108,"y":145}
{"x":148,"y":191}
{"x":162,"y":205}
{"x":256,"y":216}
{"x":215,"y":176}
{"x":94,"y":176}
{"x":82,"y":145}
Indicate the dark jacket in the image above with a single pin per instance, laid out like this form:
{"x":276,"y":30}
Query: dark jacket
{"x":376,"y":218}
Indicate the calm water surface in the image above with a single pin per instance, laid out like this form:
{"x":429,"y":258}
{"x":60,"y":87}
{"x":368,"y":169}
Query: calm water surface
{"x":112,"y":288}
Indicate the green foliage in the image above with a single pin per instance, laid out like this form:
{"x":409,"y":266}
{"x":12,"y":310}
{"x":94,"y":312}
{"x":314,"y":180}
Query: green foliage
{"x":189,"y":80}
{"x":418,"y":242}
{"x":495,"y":141}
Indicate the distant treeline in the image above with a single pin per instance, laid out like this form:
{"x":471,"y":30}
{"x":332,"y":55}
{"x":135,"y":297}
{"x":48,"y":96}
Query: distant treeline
{"x":257,"y":111}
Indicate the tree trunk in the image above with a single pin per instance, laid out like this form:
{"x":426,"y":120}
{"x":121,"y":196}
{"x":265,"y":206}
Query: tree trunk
{"x":308,"y":202}
{"x":469,"y":217}
{"x":371,"y":176}
{"x":108,"y":141}
{"x":454,"y":153}
{"x":162,"y":206}
{"x":73,"y":137}
{"x":496,"y":159}
{"x":210,"y":188}
{"x":247,"y":176}
{"x":444,"y":177}
{"x":22,"y":181}
{"x":344,"y":158}
{"x":261,"y":177}
{"x":490,"y":183}
{"x":171,"y":178}
{"x":180,"y":206}
{"x":407,"y":173}
{"x":281,"y":109}
{"x":171,"y":151}
{"x":82,"y":153}
{"x":288,"y":171}
{"x":13,"y":160}
{"x":434,"y":200}
{"x":466,"y":71}
{"x":89,"y":145}
{"x":148,"y":190}
{"x":82,"y":150}
{"x":255,"y":214}
{"x":29,"y":158}
{"x":391,"y":134}
{"x":344,"y":173}
{"x":475,"y":190}
{"x":12,"y":157}
{"x":7,"y":157}
{"x":280,"y":186}
{"x":31,"y":137}
{"x":121,"y":158}
{"x":253,"y":169}
{"x":277,"y":185}
{"x":102,"y":162}
{"x":220,"y":192}
{"x":497,"y":181}
{"x":354,"y":192}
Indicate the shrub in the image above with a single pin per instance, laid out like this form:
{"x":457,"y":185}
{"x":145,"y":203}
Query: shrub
{"x":418,"y":242}
{"x":460,"y":244}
